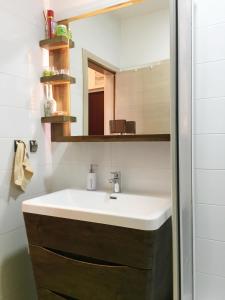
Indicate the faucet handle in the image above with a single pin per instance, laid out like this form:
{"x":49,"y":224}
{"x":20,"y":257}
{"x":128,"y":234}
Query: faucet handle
{"x":116,"y":180}
{"x":116,"y":174}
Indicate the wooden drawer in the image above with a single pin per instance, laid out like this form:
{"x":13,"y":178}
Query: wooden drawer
{"x":125,"y":246}
{"x":44,"y":294}
{"x":83,"y":280}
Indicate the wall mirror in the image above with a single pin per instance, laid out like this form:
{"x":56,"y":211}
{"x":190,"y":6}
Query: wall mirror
{"x":121,"y":62}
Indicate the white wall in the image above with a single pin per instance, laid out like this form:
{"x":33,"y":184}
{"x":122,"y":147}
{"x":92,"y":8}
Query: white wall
{"x":209,"y":148}
{"x":20,"y":111}
{"x":145,"y":39}
{"x":145,"y":166}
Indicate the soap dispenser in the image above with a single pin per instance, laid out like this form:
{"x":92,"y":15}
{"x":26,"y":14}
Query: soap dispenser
{"x":91,"y":179}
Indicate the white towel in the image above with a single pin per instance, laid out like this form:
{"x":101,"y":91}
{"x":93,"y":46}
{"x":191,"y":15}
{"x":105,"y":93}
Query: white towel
{"x":22,"y":169}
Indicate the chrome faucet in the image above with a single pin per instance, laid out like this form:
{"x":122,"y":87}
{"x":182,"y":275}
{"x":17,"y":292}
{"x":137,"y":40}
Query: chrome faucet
{"x":116,"y":181}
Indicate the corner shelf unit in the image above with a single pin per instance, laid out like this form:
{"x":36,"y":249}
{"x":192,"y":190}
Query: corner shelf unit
{"x":58,"y":48}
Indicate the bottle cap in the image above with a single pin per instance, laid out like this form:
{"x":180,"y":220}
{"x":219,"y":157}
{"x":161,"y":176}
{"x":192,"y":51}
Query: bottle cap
{"x":50,"y":13}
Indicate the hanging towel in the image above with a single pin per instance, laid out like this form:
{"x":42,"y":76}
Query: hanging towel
{"x":22,"y":169}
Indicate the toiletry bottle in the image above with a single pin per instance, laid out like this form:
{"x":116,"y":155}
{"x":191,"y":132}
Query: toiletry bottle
{"x":51,"y":23}
{"x":91,"y":179}
{"x":51,"y":101}
{"x":117,"y":187}
{"x":47,"y":104}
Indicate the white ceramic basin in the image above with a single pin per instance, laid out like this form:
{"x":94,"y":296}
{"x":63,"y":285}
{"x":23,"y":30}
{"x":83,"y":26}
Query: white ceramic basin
{"x":126,"y":210}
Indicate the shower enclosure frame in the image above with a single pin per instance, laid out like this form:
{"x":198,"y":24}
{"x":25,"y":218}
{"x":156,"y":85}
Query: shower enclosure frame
{"x":181,"y":143}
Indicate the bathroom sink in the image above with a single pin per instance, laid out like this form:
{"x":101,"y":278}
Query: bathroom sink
{"x":125,"y":210}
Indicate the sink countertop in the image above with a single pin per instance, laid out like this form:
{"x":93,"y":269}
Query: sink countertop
{"x":126,"y":210}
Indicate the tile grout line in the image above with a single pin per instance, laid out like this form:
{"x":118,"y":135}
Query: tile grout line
{"x":210,"y":274}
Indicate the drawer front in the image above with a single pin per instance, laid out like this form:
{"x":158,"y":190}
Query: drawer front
{"x":125,"y":246}
{"x":88,"y":281}
{"x":44,"y":294}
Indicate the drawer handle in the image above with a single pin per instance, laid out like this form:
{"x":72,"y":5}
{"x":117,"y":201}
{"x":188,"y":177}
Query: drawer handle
{"x":64,"y":296}
{"x":84,"y":259}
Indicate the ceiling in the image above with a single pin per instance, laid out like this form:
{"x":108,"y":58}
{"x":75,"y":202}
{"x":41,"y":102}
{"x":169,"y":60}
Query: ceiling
{"x":68,"y":8}
{"x":147,"y":6}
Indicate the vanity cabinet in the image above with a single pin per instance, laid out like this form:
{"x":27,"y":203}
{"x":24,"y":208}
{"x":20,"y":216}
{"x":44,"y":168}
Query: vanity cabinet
{"x":81,"y":260}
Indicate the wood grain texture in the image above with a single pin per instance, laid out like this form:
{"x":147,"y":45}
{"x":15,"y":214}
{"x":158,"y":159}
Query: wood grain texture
{"x":70,"y":247}
{"x":114,"y":244}
{"x":117,"y":126}
{"x":162,"y":268}
{"x":60,"y":129}
{"x":44,"y":294}
{"x":57,"y":42}
{"x":58,"y":79}
{"x":87,"y":281}
{"x":58,"y":119}
{"x":60,"y":59}
{"x":115,"y":138}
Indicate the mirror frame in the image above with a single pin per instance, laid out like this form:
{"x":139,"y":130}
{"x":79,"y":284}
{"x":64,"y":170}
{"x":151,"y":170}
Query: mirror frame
{"x":88,"y":56}
{"x":108,"y":138}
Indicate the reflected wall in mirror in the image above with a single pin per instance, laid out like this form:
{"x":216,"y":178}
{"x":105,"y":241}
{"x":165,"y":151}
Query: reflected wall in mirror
{"x":122,"y":65}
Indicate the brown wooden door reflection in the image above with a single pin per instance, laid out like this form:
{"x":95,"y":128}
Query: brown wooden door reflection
{"x":96,"y":113}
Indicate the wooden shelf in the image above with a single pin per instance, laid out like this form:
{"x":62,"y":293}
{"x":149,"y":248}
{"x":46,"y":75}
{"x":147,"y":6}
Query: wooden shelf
{"x":58,"y":42}
{"x":58,"y":79}
{"x":115,"y":138}
{"x":58,"y":119}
